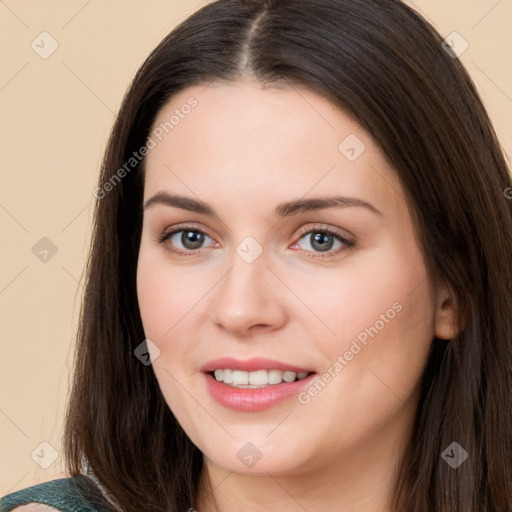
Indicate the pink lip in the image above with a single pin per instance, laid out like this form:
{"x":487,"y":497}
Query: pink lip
{"x":250,"y":365}
{"x":253,"y":400}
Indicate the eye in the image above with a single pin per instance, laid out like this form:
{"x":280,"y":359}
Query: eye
{"x":323,"y":240}
{"x":185,"y":241}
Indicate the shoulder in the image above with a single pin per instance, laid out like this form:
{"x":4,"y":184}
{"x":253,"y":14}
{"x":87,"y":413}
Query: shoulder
{"x":35,"y":507}
{"x":78,"y":494}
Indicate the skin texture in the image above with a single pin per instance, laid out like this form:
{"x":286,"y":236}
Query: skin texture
{"x":35,"y":507}
{"x":244,"y":149}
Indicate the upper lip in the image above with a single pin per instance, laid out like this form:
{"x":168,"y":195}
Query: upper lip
{"x":250,"y":365}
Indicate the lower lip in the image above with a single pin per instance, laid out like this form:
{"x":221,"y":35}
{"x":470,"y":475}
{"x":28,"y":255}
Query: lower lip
{"x":254,"y":400}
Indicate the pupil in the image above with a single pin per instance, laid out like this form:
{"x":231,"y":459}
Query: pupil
{"x":322,"y":241}
{"x":192,"y":239}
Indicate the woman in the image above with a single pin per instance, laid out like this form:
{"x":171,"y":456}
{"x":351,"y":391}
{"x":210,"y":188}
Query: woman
{"x":299,"y":285}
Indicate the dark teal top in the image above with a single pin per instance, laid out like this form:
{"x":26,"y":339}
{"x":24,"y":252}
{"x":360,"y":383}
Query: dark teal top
{"x":74,"y":494}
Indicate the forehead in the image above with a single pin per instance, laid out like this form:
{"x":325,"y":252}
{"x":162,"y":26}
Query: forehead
{"x":252,"y":141}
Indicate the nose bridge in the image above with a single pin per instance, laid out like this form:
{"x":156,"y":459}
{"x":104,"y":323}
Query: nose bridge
{"x":246,"y":276}
{"x":247,"y":296}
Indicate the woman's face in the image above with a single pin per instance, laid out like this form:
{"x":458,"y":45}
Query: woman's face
{"x":289,"y":247}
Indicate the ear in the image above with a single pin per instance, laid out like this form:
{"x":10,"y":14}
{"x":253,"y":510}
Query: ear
{"x":446,"y":326}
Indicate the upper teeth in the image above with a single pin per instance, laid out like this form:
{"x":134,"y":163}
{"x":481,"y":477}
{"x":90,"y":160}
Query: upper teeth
{"x":256,"y":379}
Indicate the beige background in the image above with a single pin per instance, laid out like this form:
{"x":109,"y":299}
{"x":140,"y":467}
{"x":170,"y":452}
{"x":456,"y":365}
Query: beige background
{"x":56,"y":114}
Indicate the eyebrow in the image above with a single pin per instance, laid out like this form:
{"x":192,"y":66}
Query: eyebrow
{"x":286,"y":209}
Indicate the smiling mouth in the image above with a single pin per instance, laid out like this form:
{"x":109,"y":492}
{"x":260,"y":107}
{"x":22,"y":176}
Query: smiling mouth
{"x":256,"y":379}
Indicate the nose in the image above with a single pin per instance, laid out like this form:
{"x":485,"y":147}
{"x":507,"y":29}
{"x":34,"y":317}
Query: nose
{"x":250,"y":299}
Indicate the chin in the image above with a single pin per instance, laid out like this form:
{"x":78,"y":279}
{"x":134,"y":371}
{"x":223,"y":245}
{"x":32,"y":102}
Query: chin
{"x":259,"y":459}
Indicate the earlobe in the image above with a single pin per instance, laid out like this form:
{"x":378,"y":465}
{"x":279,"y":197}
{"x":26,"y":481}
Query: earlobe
{"x":446,"y":324}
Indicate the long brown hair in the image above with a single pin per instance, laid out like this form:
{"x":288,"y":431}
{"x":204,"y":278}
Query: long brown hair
{"x":385,"y":65}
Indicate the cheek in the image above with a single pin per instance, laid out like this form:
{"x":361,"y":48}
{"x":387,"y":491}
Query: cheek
{"x":383,"y":318}
{"x":165,"y":293}
{"x":364,"y":290}
{"x":154,"y":298}
{"x":165,"y":297}
{"x":380,"y":314}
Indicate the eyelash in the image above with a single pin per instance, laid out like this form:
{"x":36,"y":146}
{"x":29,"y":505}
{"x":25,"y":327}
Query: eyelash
{"x":166,"y":235}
